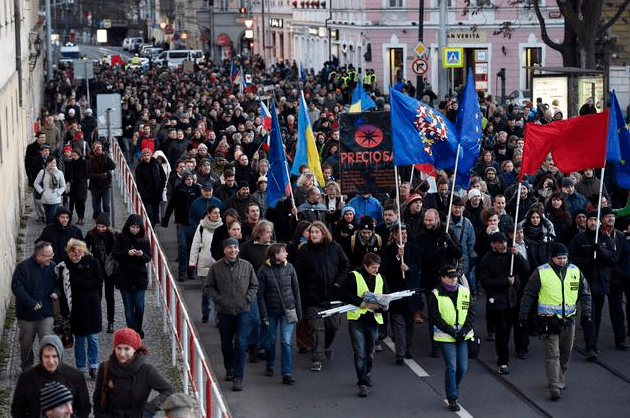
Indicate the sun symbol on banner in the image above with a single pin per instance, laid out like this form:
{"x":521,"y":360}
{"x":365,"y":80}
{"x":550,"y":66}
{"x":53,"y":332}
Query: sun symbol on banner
{"x":431,"y":127}
{"x":368,"y":136}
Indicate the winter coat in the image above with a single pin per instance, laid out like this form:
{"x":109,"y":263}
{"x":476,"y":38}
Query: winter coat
{"x":59,"y":235}
{"x":150,"y":179}
{"x":434,"y":312}
{"x":494,"y":269}
{"x":80,"y":298}
{"x":574,"y":202}
{"x":436,"y":249}
{"x":390,"y":268}
{"x":166,"y":168}
{"x":321,"y":269}
{"x":181,"y":202}
{"x":122,"y":390}
{"x":32,"y":284}
{"x":278,"y":290}
{"x":76,"y":174}
{"x":51,"y":185}
{"x":255,"y":253}
{"x":27,"y":390}
{"x":132,"y":274}
{"x":367,"y":206}
{"x":232,"y":287}
{"x":200,"y":254}
{"x":199,"y":206}
{"x":312,"y":212}
{"x":99,"y":171}
{"x":597,"y":271}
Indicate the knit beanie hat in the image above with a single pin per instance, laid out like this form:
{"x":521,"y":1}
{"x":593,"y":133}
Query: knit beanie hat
{"x":129,"y":337}
{"x":102,"y":219}
{"x":52,"y":395}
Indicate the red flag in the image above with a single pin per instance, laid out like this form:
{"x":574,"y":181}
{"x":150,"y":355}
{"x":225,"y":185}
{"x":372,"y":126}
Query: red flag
{"x":576,"y":143}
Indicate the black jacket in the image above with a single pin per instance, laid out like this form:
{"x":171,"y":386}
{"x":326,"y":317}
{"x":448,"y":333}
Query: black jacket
{"x":390,"y":268}
{"x":321,"y":268}
{"x":436,"y":249}
{"x":75,"y":173}
{"x":59,"y":235}
{"x":181,"y":201}
{"x":596,"y":270}
{"x":99,"y":171}
{"x":126,"y":390}
{"x":150,"y":179}
{"x":278,"y":290}
{"x":494,"y":269}
{"x":132,"y":273}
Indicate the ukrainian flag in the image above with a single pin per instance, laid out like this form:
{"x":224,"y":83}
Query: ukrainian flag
{"x":306,"y":150}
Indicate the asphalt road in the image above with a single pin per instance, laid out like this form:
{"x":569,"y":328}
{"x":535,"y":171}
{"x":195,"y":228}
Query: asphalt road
{"x":417,"y":388}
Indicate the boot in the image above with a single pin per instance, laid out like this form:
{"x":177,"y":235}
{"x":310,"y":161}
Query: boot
{"x":110,"y":327}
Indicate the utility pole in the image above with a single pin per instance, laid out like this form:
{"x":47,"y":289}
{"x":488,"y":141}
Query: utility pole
{"x":420,"y":39}
{"x":49,"y":60}
{"x":442,"y":43}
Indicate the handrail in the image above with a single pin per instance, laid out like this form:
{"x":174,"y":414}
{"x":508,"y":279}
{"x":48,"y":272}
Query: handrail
{"x":197,"y":376}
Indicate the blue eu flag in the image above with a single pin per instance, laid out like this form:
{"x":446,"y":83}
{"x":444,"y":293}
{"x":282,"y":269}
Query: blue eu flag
{"x":278,"y":176}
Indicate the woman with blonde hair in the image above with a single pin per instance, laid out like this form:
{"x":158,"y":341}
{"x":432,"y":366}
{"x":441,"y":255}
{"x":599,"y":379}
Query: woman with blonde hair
{"x":81,"y":282}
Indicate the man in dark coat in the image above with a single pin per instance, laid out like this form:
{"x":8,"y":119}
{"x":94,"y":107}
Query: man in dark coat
{"x":35,"y":287}
{"x":51,"y":368}
{"x":99,"y":169}
{"x":597,"y":272}
{"x":150,"y":179}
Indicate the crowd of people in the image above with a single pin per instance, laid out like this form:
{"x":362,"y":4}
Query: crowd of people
{"x":196,"y":145}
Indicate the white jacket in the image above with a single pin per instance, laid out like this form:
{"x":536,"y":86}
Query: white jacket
{"x":51,"y":185}
{"x":200,"y":254}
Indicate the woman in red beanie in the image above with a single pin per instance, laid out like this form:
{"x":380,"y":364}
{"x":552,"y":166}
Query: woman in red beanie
{"x":125,"y":381}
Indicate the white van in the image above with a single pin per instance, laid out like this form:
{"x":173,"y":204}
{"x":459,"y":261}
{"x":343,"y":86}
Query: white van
{"x":175,"y":57}
{"x":130,"y":44}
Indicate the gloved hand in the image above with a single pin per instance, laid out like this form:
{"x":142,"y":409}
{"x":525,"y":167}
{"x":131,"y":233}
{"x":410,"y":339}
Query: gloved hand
{"x":522,"y":323}
{"x":265,"y":322}
{"x":459,"y":336}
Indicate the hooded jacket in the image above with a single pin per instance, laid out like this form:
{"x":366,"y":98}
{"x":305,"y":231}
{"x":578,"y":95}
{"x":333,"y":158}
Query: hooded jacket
{"x":132,"y":274}
{"x":27,"y":390}
{"x":59,"y":235}
{"x":200,"y":253}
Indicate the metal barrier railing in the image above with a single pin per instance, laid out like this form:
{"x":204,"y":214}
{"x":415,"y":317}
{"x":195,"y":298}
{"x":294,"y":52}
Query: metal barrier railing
{"x":196,"y":375}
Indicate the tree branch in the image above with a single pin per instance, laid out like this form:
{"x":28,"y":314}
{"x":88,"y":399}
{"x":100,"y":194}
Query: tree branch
{"x":543,"y":28}
{"x":613,"y":19}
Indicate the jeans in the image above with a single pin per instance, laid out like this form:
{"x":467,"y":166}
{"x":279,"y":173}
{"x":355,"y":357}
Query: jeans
{"x":363,"y":336}
{"x":184,"y":242}
{"x":49,"y":210}
{"x":110,"y":299}
{"x":100,"y":201}
{"x":256,"y":334}
{"x":233,"y":330}
{"x":456,"y":361}
{"x":80,"y":350}
{"x":134,"y":309}
{"x":28,"y":330}
{"x":205,"y":305}
{"x":286,"y":343}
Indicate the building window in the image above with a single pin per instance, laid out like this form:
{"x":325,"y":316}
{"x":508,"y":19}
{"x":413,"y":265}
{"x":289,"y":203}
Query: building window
{"x":532,"y":57}
{"x":394,"y":4}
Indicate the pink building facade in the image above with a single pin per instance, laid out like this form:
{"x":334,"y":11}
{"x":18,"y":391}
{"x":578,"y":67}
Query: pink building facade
{"x":388,"y":31}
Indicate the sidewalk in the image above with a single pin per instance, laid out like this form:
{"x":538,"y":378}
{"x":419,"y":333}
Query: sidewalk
{"x":157,"y":342}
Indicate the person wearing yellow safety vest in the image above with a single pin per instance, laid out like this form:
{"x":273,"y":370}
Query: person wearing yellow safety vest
{"x":452,"y":314}
{"x":363,"y":322}
{"x":556,"y":287}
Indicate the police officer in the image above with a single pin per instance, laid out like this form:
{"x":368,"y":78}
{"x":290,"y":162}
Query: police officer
{"x":452,"y":314}
{"x":179,"y":405}
{"x":556,"y":287}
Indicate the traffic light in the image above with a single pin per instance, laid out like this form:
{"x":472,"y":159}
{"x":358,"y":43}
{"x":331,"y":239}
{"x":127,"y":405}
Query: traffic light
{"x":242,"y":10}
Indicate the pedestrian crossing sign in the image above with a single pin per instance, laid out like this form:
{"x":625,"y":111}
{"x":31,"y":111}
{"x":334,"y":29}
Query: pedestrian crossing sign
{"x":453,"y":57}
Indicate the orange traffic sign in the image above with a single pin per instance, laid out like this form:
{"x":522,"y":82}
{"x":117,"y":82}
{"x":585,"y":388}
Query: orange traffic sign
{"x":420,"y":49}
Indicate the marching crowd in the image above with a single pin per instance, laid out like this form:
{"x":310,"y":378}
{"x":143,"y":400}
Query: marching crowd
{"x":197,"y":147}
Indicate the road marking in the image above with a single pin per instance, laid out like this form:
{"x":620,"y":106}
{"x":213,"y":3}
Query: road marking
{"x":462,"y":412}
{"x":411,"y":363}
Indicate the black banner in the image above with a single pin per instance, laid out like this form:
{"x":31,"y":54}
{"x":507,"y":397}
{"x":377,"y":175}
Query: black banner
{"x":365,"y":155}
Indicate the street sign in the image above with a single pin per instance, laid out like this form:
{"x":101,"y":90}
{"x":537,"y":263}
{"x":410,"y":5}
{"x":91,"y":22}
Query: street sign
{"x":453,"y":57}
{"x":421,"y":50}
{"x":109,"y":114}
{"x":420,"y":66}
{"x":83,"y":69}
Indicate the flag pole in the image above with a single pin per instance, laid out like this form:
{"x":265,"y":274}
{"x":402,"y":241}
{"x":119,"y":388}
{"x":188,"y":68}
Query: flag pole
{"x":518,"y":203}
{"x":411,"y":177}
{"x":399,"y":218}
{"x":599,"y":209}
{"x":450,"y":203}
